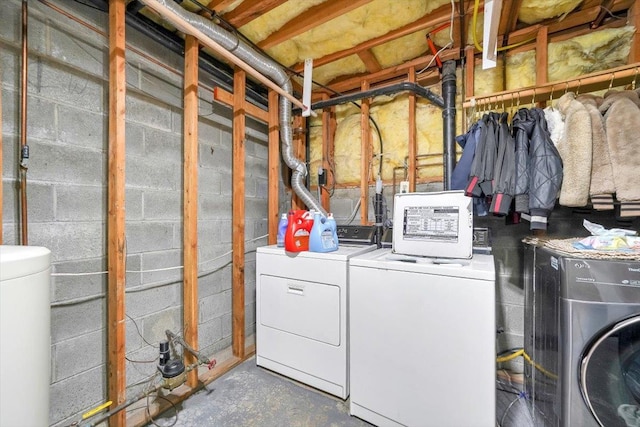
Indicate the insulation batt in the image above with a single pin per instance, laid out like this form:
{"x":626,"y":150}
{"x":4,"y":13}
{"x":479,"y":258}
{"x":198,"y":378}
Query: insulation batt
{"x":622,"y":125}
{"x":602,"y":185}
{"x":575,"y":150}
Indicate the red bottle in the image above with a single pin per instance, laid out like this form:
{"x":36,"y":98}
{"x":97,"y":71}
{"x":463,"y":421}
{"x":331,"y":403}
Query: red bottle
{"x":296,"y":239}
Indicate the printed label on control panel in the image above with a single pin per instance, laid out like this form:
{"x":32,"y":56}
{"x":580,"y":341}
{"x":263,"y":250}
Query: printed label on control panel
{"x":435,"y":223}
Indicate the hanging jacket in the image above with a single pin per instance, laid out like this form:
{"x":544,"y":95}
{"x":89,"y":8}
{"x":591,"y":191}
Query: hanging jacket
{"x":545,"y":172}
{"x":482,"y":168}
{"x":522,"y":125}
{"x":575,"y":148}
{"x":504,"y":169}
{"x":602,"y":186}
{"x":622,"y":125}
{"x":460,"y":174}
{"x":462,"y":171}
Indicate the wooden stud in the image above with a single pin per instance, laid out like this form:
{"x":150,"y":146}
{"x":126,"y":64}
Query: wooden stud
{"x":411,"y":141}
{"x":541,"y":56}
{"x":274,"y":167}
{"x":328,"y":119}
{"x":238,"y":179}
{"x":634,"y":19}
{"x":249,"y":10}
{"x":365,"y":156}
{"x":370,"y":61}
{"x":190,"y":195}
{"x":221,"y":95}
{"x":299,"y":144}
{"x":116,"y":372}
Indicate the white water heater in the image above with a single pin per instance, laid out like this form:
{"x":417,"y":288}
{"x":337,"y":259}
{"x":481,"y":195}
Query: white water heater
{"x":25,"y":335}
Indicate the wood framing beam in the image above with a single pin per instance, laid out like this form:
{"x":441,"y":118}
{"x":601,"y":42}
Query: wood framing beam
{"x":618,"y":76}
{"x":274,"y":167}
{"x":238,"y":226}
{"x":219,"y":5}
{"x":370,"y":61}
{"x":227,"y":98}
{"x":190,"y":204}
{"x":542,"y":57}
{"x":116,"y":333}
{"x":328,"y":134}
{"x":188,"y":28}
{"x":411,"y":137}
{"x":365,"y":155}
{"x":634,"y":19}
{"x":397,"y":71}
{"x":437,"y":17}
{"x":249,"y":10}
{"x":299,"y":151}
{"x":470,"y":69}
{"x":509,"y":16}
{"x":309,"y":19}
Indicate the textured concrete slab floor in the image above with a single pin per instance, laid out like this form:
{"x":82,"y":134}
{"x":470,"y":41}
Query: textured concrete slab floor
{"x":251,"y":396}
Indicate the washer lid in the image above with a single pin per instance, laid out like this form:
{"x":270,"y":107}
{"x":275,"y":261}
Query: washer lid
{"x":20,"y":261}
{"x":344,"y":252}
{"x":480,"y":267}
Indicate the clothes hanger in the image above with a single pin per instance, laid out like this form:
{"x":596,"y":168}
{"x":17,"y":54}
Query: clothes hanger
{"x":611,"y":81}
{"x":533,"y":98}
{"x":635,"y":77}
{"x":551,"y":98}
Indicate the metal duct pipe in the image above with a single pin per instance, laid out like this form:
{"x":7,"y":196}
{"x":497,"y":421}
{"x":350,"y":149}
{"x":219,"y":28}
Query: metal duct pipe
{"x":266,"y":67}
{"x":449,"y":120}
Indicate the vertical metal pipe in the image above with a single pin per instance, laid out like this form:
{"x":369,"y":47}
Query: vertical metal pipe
{"x":24,"y":148}
{"x":449,"y":119}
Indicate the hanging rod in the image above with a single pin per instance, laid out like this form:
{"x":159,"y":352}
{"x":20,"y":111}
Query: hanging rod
{"x":582,"y":84}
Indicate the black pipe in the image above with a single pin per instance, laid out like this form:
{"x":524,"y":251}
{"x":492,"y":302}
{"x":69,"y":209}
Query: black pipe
{"x":386,"y":90}
{"x":449,"y":120}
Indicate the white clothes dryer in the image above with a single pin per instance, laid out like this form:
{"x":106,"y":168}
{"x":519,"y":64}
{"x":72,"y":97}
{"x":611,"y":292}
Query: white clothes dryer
{"x":301,"y":315}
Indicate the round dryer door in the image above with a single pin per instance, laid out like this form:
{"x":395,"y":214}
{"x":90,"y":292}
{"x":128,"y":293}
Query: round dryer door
{"x":610,"y":375}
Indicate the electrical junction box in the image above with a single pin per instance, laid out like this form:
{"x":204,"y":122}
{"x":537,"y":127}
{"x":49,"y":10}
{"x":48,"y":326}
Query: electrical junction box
{"x":437,"y":224}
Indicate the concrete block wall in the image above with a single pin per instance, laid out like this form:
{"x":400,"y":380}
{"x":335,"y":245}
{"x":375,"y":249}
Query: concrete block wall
{"x":67,"y":197}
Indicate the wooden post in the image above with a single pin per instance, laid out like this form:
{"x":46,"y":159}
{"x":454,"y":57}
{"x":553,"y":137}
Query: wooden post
{"x":274,"y":167}
{"x":327,"y":147}
{"x":190,"y":194}
{"x":299,"y":151}
{"x":116,"y":218}
{"x":541,"y":56}
{"x":633,"y":18}
{"x":411,"y":141}
{"x":237,"y":287}
{"x":365,"y":156}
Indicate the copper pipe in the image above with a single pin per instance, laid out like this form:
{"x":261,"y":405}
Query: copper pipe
{"x":23,"y":128}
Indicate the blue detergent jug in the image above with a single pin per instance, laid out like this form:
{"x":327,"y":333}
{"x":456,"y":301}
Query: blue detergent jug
{"x":323,"y":237}
{"x":282,"y":230}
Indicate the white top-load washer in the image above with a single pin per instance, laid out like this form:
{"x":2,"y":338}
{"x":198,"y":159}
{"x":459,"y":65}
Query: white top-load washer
{"x":301,"y":315}
{"x":422,"y":346}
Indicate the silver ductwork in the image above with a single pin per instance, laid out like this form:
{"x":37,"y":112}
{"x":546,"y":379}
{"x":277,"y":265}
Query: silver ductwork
{"x":269,"y":68}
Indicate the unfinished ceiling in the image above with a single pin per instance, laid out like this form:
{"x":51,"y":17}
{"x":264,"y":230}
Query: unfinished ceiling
{"x":382,"y":39}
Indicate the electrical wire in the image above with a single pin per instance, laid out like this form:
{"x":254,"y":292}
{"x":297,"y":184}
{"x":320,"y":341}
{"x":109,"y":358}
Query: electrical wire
{"x":448,"y":45}
{"x":526,"y":357}
{"x":173,"y":406}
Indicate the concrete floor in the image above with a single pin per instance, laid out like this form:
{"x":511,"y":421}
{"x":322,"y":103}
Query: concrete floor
{"x":252,"y":396}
